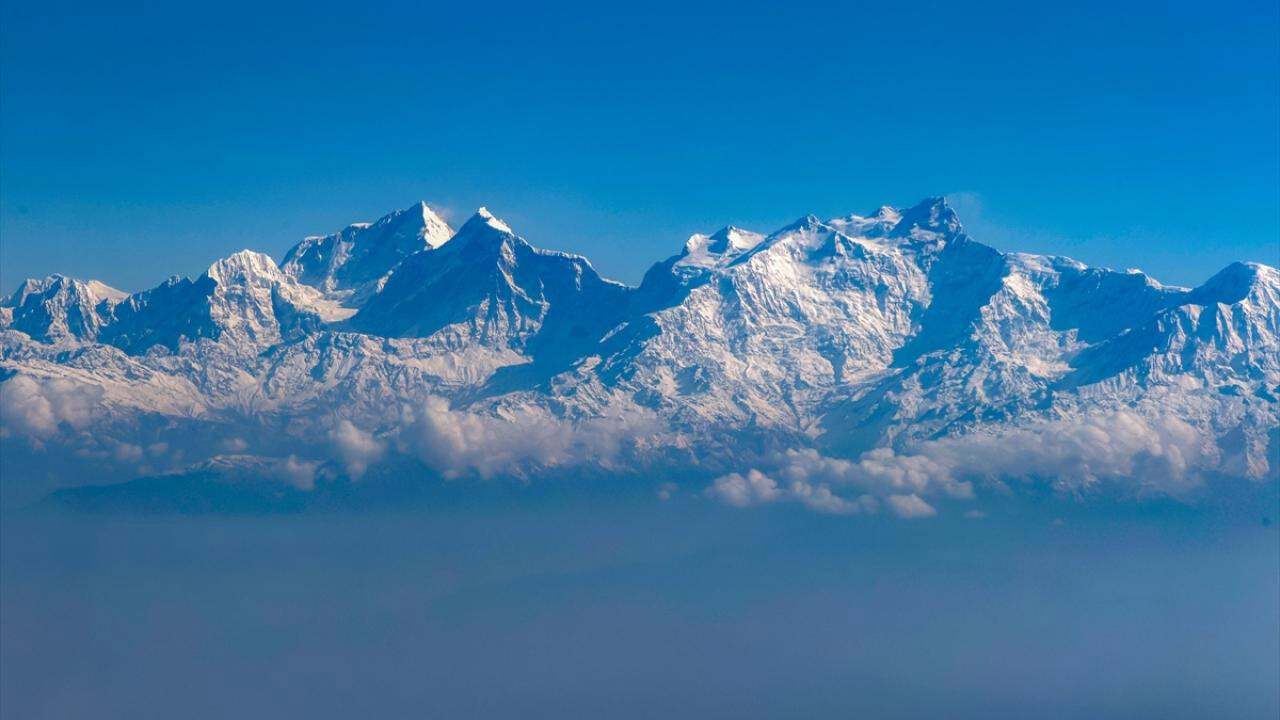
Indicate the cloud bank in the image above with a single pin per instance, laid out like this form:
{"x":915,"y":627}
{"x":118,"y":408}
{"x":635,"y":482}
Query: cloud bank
{"x":1139,"y":455}
{"x":458,"y":442}
{"x":1124,"y":450}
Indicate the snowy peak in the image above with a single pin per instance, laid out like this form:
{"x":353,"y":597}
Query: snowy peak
{"x":59,"y":307}
{"x":719,"y":248}
{"x":887,"y":332}
{"x":491,"y":287}
{"x":931,"y":219}
{"x":876,"y":225}
{"x":243,"y":301}
{"x":245,"y":267}
{"x":57,"y":284}
{"x":434,"y":230}
{"x":1237,"y":282}
{"x":486,"y":218}
{"x":732,"y":239}
{"x":483,"y":229}
{"x":351,"y":261}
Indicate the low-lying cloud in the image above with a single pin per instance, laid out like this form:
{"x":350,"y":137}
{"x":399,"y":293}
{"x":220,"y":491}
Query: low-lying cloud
{"x":1124,"y":450}
{"x":1135,"y":454}
{"x":356,"y":447}
{"x":459,"y":442}
{"x":39,"y":408}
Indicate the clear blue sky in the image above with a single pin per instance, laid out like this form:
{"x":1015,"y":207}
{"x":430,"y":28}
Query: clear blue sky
{"x":146,"y":139}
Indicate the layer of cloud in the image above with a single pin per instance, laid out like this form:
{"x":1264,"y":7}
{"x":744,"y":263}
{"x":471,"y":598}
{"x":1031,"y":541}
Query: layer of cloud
{"x":460,"y":442}
{"x":1136,"y":454}
{"x":1144,"y":455}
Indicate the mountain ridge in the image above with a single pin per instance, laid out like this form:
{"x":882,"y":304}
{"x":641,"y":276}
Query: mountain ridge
{"x":890,"y":333}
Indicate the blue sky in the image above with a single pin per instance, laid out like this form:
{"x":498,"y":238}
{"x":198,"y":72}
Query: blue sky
{"x":146,"y":139}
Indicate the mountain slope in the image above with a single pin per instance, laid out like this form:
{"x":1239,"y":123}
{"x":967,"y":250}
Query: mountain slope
{"x":489,"y":286}
{"x":59,"y":307}
{"x":891,"y":345}
{"x":351,"y":262}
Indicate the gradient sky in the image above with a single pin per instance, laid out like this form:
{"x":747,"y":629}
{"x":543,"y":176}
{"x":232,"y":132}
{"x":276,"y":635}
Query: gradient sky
{"x":147,"y":139}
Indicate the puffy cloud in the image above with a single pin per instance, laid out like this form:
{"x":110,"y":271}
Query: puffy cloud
{"x":127,"y":452}
{"x":301,"y":474}
{"x":39,"y":408}
{"x":356,"y":447}
{"x":878,"y":472}
{"x":1146,"y":455}
{"x":1143,"y":455}
{"x":757,"y":488}
{"x":820,"y":498}
{"x":461,"y":442}
{"x":739,"y":490}
{"x":910,"y":506}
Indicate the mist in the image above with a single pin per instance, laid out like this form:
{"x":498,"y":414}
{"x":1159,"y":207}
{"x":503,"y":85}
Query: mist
{"x":602,"y":603}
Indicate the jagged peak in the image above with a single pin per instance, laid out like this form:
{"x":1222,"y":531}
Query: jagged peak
{"x":932,"y":215}
{"x":808,"y":222}
{"x":877,"y":224}
{"x":484,"y":216}
{"x":418,"y":220}
{"x":733,"y":239}
{"x":31,"y":286}
{"x":95,"y":289}
{"x":888,"y":213}
{"x":728,"y":240}
{"x":485,"y":227}
{"x":430,"y":225}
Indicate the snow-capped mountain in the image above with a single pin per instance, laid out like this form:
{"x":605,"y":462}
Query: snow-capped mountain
{"x":59,"y":307}
{"x":351,"y":263}
{"x":489,"y":287}
{"x":844,"y":363}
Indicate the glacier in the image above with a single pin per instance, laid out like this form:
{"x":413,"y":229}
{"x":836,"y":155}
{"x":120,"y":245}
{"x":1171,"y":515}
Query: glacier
{"x":879,"y":363}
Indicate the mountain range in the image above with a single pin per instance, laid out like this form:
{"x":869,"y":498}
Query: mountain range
{"x":886,"y":361}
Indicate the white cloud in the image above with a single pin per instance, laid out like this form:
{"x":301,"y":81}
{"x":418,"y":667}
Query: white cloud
{"x":739,"y":490}
{"x":356,"y":447}
{"x":910,"y":506}
{"x":819,"y":498}
{"x":1140,"y":455}
{"x":1146,"y":455}
{"x":757,"y":488}
{"x":461,"y":442}
{"x":127,"y":452}
{"x":39,"y":408}
{"x":878,"y":472}
{"x":301,"y":474}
